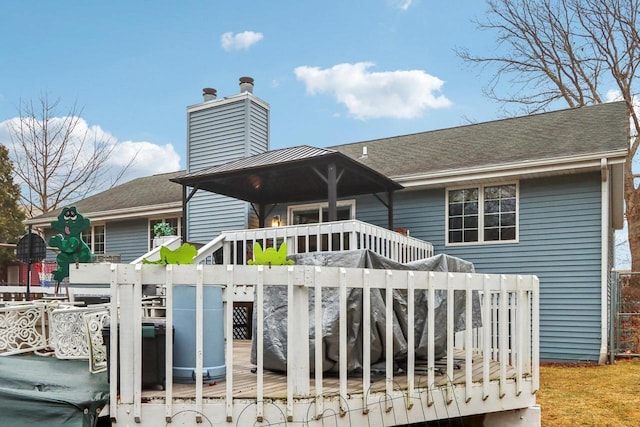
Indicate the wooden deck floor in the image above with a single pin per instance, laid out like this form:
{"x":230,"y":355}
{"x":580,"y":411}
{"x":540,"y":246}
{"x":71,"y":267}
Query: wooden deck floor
{"x":275,"y":384}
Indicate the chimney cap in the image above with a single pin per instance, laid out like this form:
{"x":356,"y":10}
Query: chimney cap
{"x":209,"y":94}
{"x":246,"y":85}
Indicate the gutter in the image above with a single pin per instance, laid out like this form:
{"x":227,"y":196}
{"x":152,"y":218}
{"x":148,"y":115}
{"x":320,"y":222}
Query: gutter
{"x":532,"y":168}
{"x":125,"y":213}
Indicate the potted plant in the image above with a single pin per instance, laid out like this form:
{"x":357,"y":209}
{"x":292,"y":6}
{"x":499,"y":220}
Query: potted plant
{"x":162,"y":233}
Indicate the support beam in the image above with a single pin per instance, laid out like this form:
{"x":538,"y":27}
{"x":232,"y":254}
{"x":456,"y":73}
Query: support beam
{"x":261,"y":215}
{"x":332,"y":191}
{"x":185,"y":199}
{"x":390,"y":210}
{"x":389,"y":205}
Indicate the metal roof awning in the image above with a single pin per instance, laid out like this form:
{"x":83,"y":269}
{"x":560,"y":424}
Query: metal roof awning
{"x":292,"y":175}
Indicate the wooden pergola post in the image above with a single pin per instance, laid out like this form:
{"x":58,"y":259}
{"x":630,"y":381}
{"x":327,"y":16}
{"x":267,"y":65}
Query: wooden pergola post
{"x":332,"y":192}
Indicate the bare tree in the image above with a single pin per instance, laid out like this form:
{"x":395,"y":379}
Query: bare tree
{"x":571,"y":51}
{"x":57,"y":158}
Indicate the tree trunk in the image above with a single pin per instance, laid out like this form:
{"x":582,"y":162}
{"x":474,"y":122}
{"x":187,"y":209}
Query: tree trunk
{"x":632,"y":200}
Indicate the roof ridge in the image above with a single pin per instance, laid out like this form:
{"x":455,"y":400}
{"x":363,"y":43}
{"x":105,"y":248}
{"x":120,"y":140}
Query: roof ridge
{"x":489,"y":122}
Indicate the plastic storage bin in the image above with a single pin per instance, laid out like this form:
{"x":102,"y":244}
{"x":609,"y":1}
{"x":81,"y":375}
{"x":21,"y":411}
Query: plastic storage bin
{"x":153,"y":353}
{"x":184,"y":323}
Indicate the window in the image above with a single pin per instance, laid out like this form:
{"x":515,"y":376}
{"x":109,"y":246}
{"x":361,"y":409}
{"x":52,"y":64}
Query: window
{"x":94,"y":238}
{"x":315,"y":213}
{"x":482,"y":214}
{"x":174,"y":222}
{"x":319,"y":212}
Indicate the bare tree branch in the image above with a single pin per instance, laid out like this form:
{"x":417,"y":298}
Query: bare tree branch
{"x":57,"y":157}
{"x":572,"y":51}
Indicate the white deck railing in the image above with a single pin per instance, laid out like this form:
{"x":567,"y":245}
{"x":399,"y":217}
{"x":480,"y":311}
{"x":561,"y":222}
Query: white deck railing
{"x":326,"y":236}
{"x":507,"y":347}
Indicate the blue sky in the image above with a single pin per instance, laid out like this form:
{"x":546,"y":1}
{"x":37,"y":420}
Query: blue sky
{"x":332,"y":72}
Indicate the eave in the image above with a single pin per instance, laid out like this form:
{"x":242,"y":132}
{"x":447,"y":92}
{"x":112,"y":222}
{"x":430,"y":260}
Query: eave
{"x":120,"y":214}
{"x":520,"y":170}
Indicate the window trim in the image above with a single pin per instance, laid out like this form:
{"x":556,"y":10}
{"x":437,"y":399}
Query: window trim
{"x":164,"y":218}
{"x":481,"y":229}
{"x":93,"y":238}
{"x":320,"y":206}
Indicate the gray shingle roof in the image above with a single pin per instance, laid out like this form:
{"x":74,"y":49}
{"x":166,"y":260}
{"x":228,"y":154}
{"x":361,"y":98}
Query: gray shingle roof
{"x":576,"y":132}
{"x":566,"y":133}
{"x":140,"y":192}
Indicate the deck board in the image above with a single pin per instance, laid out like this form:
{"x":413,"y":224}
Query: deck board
{"x":275,"y":384}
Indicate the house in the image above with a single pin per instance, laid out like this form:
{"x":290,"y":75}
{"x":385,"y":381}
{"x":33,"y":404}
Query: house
{"x":539,"y":194}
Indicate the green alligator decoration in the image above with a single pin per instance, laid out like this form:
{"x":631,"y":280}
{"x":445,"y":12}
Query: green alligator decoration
{"x":270,"y":256}
{"x":71,"y":224}
{"x":183,"y":255}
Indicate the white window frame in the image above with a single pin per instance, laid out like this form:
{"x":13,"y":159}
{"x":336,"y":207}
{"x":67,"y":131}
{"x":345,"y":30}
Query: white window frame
{"x":481,"y":188}
{"x":93,"y":238}
{"x":150,"y":235}
{"x":320,"y":206}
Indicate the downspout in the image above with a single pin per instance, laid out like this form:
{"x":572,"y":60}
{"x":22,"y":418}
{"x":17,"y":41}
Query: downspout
{"x":604,"y":260}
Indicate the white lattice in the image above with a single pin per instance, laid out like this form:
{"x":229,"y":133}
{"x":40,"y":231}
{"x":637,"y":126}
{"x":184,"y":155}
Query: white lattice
{"x":97,"y":349}
{"x":68,"y":332}
{"x":22,"y":329}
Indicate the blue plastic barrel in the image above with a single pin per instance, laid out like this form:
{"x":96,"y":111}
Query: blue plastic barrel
{"x":184,"y":342}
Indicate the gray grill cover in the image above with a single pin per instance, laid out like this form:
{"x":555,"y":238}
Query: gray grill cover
{"x":275,"y":314}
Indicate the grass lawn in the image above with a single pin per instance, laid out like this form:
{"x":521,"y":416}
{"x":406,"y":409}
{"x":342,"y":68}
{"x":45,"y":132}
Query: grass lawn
{"x":590,"y":395}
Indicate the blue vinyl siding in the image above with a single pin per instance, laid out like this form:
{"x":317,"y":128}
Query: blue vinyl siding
{"x":209,"y":214}
{"x":129,"y":239}
{"x":223,"y":132}
{"x":258,"y":129}
{"x":559,"y":241}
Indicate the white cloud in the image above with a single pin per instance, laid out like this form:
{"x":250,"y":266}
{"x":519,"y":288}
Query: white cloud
{"x":148,"y":158}
{"x":613,"y":95}
{"x":400,"y":4}
{"x":396,"y":94}
{"x":240,"y":41}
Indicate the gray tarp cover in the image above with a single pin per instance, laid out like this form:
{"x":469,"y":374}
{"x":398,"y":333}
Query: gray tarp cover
{"x":45,"y":391}
{"x":275,"y":314}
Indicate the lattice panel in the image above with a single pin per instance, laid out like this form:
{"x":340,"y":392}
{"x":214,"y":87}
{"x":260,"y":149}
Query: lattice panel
{"x":242,"y":320}
{"x":94,"y":323}
{"x":68,"y":332}
{"x":22,"y":329}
